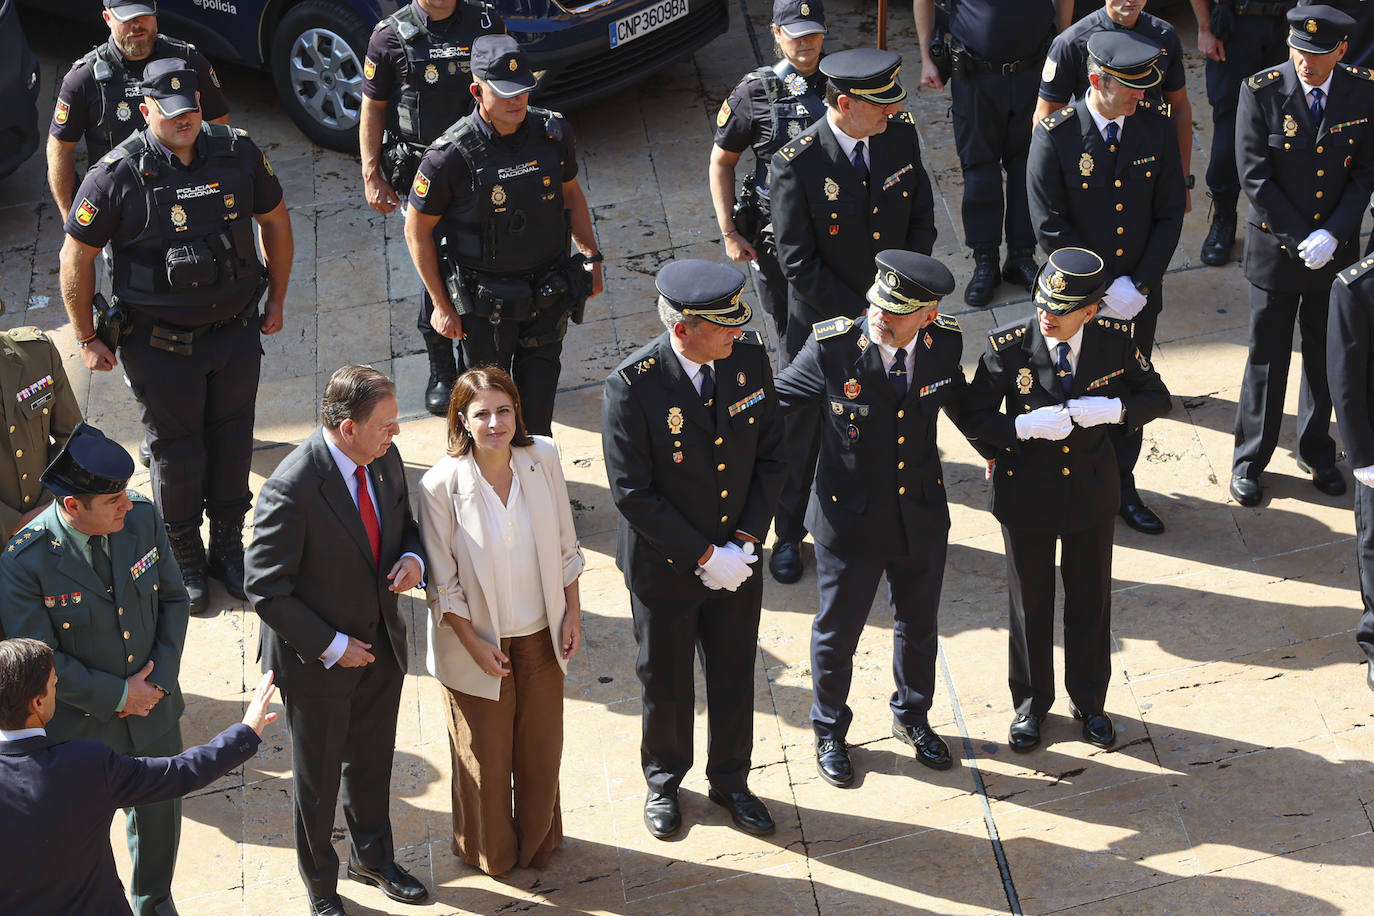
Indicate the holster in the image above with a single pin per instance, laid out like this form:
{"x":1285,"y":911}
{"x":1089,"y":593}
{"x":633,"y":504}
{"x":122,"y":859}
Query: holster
{"x":111,"y":321}
{"x":399,"y":162}
{"x":748,"y":219}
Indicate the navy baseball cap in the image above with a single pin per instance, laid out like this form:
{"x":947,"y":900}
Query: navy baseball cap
{"x":88,"y":465}
{"x":499,"y":60}
{"x":172,"y":85}
{"x":705,"y":289}
{"x":866,"y":73}
{"x":796,"y":18}
{"x":1073,"y":278}
{"x":1318,"y":29}
{"x":908,"y":282}
{"x":1126,"y":57}
{"x":124,"y":10}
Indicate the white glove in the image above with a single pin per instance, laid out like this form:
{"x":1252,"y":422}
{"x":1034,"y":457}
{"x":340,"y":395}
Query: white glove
{"x":1044,"y":423}
{"x":1106,"y":311}
{"x":1317,"y":249}
{"x":1095,"y":411}
{"x":1365,"y":475}
{"x":707,"y":581}
{"x":728,"y":566}
{"x":1123,"y":298}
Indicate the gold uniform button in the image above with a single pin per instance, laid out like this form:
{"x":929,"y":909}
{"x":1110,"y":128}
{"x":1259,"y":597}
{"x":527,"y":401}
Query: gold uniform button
{"x":1118,"y":182}
{"x":45,"y":411}
{"x":751,"y":421}
{"x":1120,"y":230}
{"x":720,"y":467}
{"x":834,"y":499}
{"x":154,"y":586}
{"x":905,"y":194}
{"x":901,"y":440}
{"x":23,"y":476}
{"x":1120,"y":207}
{"x":1316,"y":216}
{"x":1085,"y":186}
{"x":19,"y":453}
{"x":875,"y":211}
{"x":719,"y":441}
{"x":121,"y":612}
{"x":1320,"y":194}
{"x":900,"y":414}
{"x":670,"y":561}
{"x":677,"y":443}
{"x":1120,"y":252}
{"x":724,"y":493}
{"x":900,"y":465}
{"x":66,"y":626}
{"x":1321,"y":149}
{"x":834,"y":216}
{"x":1064,"y":471}
{"x":725,"y":518}
{"x":877,"y":235}
{"x":27,"y":498}
{"x":901,"y":491}
{"x":131,"y":658}
{"x":1008,"y":473}
{"x":940,"y":481}
{"x":1065,"y":448}
{"x":1321,"y":173}
{"x":11,"y":429}
{"x":1288,"y":146}
{"x":1149,"y":174}
{"x":127,"y":634}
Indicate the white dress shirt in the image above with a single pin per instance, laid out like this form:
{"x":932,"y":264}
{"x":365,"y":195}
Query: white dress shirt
{"x":693,"y":370}
{"x":1324,"y":87}
{"x":1075,"y":345}
{"x":519,"y":598}
{"x":21,"y":733}
{"x":889,"y":356}
{"x":847,"y":143}
{"x":1102,"y":122}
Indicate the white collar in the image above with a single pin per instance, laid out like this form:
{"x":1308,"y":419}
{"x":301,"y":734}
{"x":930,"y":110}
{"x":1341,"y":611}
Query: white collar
{"x":847,"y":143}
{"x":19,"y":734}
{"x":347,"y":466}
{"x":1075,"y":344}
{"x":1101,"y":121}
{"x":1324,"y":87}
{"x":688,"y":367}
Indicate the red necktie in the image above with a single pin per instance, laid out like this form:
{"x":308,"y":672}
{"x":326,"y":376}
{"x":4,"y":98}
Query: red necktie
{"x":369,"y":514}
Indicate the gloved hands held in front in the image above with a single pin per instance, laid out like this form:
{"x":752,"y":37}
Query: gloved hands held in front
{"x":727,"y":567}
{"x":1123,"y":298}
{"x":1094,"y":411}
{"x":1318,"y":249}
{"x":1052,"y":423}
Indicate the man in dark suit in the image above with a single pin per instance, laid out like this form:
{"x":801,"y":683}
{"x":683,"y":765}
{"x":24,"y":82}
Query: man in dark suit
{"x":847,"y":187}
{"x":334,"y":543}
{"x":878,"y":504}
{"x":1305,"y":152}
{"x":93,"y":577}
{"x":57,"y":797}
{"x":1104,"y":175}
{"x":691,"y":435}
{"x":1066,"y":376}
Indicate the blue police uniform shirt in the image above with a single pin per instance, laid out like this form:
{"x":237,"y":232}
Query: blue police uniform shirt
{"x":1003,"y":30}
{"x":1065,"y":76}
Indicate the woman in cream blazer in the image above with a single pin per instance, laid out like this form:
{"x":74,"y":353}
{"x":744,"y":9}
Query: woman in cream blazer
{"x":505,"y":618}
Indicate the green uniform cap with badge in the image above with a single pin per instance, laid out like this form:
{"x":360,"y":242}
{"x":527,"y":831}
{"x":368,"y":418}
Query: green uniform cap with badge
{"x":908,"y":282}
{"x":705,"y":289}
{"x":89,"y":465}
{"x":1072,"y":278}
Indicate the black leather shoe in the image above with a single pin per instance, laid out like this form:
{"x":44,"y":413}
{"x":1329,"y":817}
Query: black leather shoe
{"x":746,"y":810}
{"x":786,"y":562}
{"x":1025,"y":733}
{"x":985,"y":278}
{"x":395,"y":881}
{"x":832,"y":760}
{"x":1019,"y":268}
{"x":1140,"y":517}
{"x":1328,"y":480}
{"x":930,"y":748}
{"x":327,"y":906}
{"x":1246,"y":490}
{"x":661,"y":815}
{"x":443,"y":372}
{"x":1221,"y":237}
{"x":1097,"y":728}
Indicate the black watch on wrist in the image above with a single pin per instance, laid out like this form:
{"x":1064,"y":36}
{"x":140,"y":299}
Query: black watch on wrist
{"x":1189,"y":182}
{"x":596,"y":258}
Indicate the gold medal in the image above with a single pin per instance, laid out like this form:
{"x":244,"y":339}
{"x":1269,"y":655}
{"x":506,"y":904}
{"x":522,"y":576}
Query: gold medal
{"x":179,"y":216}
{"x":498,"y":196}
{"x":1024,"y":380}
{"x":1085,"y":165}
{"x":674,"y":420}
{"x":1290,"y":126}
{"x":831,"y":189}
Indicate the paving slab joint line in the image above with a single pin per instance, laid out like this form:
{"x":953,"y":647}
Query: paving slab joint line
{"x":1008,"y":884}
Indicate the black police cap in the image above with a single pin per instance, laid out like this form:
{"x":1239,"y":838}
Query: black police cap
{"x":171,"y":84}
{"x":498,"y":60}
{"x":866,"y":73}
{"x":908,"y":282}
{"x":796,"y":18}
{"x":124,"y":10}
{"x":88,"y":465}
{"x":1073,"y":278}
{"x":1126,"y":57}
{"x":1317,"y":29}
{"x":705,"y":289}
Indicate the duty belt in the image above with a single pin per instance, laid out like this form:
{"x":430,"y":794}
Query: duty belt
{"x":1276,"y":8}
{"x":978,"y":65}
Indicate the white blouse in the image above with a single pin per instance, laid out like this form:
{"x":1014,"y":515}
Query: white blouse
{"x":519,"y":599}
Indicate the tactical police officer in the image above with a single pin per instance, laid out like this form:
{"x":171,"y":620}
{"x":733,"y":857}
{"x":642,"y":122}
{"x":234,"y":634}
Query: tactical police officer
{"x":491,"y":209}
{"x":1065,"y":76}
{"x":878,"y":504}
{"x":415,"y":86}
{"x":176,"y":202}
{"x":91,"y":576}
{"x":770,"y":106}
{"x":847,"y":187}
{"x":996,"y":51}
{"x":1066,"y":376}
{"x":100,"y":95}
{"x":1104,"y":175}
{"x":691,"y":434}
{"x":1305,"y":152}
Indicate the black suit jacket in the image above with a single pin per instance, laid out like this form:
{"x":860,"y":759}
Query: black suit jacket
{"x":879,"y":488}
{"x":1349,"y":352}
{"x":56,"y":802}
{"x":1074,"y":483}
{"x":1302,"y":176}
{"x":681,"y":478}
{"x":1129,"y":210}
{"x":309,"y":570}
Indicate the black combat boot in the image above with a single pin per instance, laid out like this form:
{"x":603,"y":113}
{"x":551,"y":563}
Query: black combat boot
{"x":985,"y":278}
{"x":190,"y":556}
{"x":443,"y":372}
{"x":1216,"y":248}
{"x":225,"y":560}
{"x":1020,"y":269}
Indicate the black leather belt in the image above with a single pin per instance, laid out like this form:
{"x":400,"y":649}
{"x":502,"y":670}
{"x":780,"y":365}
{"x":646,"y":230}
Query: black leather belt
{"x":179,"y":340}
{"x":1035,"y":61}
{"x":1262,"y":9}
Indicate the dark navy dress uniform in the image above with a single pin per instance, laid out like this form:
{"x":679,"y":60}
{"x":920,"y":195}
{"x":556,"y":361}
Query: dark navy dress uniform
{"x":686,"y":478}
{"x":1300,"y":176}
{"x":878,"y":502}
{"x":1065,"y":75}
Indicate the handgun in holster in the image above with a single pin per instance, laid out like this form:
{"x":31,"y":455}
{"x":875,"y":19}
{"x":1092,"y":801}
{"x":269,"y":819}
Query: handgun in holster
{"x":111,"y":321}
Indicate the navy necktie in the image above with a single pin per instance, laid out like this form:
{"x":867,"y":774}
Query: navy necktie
{"x":708,"y":386}
{"x":1113,"y":132}
{"x":860,"y":165}
{"x":897,"y":375}
{"x":1065,"y":371}
{"x":1317,"y":107}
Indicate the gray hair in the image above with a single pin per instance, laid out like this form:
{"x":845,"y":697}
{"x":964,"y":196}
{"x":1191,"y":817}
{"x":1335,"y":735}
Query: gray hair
{"x":351,"y":394}
{"x":1095,"y":68}
{"x":671,"y":317}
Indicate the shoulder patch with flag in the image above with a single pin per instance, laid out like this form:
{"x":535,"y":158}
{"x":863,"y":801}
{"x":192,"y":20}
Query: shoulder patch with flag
{"x":724,"y":114}
{"x":369,"y":67}
{"x":421,"y":186}
{"x":86,"y":211}
{"x":60,"y":113}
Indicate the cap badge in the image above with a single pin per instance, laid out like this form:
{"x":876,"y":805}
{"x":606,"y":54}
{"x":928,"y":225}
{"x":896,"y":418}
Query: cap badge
{"x":123,"y":112}
{"x":806,"y":9}
{"x":513,"y":65}
{"x":431,"y":74}
{"x":1311,"y":26}
{"x":831,"y":189}
{"x":1056,"y":282}
{"x":1023,"y":380}
{"x":179,"y":216}
{"x":1290,"y":126}
{"x":674,"y":420}
{"x":890,"y":278}
{"x":498,"y":195}
{"x":176,"y":83}
{"x":1085,"y":165}
{"x":852,"y":389}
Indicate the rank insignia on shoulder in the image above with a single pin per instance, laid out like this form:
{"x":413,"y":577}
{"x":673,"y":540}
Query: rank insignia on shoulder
{"x":1000,"y":339}
{"x":1261,"y":79}
{"x":1062,"y":116}
{"x":750,"y":337}
{"x":630,"y":373}
{"x":948,"y":323}
{"x":905,"y":117}
{"x":1117,"y":324}
{"x":833,"y":327}
{"x":1355,"y":271}
{"x":1363,"y":73}
{"x":787,"y":152}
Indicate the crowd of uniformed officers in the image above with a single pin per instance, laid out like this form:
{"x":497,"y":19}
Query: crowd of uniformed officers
{"x":1073,"y":138}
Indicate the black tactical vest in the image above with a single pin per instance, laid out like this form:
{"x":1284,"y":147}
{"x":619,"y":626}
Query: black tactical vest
{"x":117,"y":115}
{"x":208,"y":210}
{"x":793,"y":108}
{"x":436,"y":93}
{"x":516,"y":223}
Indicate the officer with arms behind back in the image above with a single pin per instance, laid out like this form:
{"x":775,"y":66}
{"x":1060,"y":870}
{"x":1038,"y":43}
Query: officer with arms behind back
{"x":499,"y":191}
{"x":770,"y":106}
{"x":415,"y":86}
{"x":176,"y":202}
{"x":100,"y":95}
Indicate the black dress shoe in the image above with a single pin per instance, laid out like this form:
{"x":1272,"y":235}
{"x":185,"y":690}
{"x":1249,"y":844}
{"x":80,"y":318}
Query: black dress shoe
{"x":1025,"y":733}
{"x":1140,"y":517}
{"x":1020,"y":269}
{"x":746,"y":810}
{"x":832,"y":760}
{"x":930,"y":748}
{"x":985,"y":278}
{"x":327,"y":906}
{"x":661,"y":815}
{"x":1097,"y":727}
{"x":395,"y":881}
{"x":1329,"y":480}
{"x":786,"y":562}
{"x":1221,"y":237}
{"x":1246,"y":490}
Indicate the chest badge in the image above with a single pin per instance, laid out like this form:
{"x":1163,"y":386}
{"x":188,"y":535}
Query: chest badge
{"x":796,"y":83}
{"x":928,"y":340}
{"x":741,"y":380}
{"x":831,"y":189}
{"x":1085,"y":165}
{"x":431,"y":74}
{"x":123,"y":112}
{"x":498,"y":196}
{"x":852,"y":389}
{"x":793,"y":128}
{"x":49,"y":601}
{"x":179,"y":216}
{"x":674,"y":420}
{"x":1290,"y":126}
{"x":852,"y":432}
{"x":1024,"y":380}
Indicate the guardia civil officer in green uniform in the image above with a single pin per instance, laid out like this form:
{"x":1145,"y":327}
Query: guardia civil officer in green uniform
{"x":415,"y":86}
{"x":1047,"y":390}
{"x":770,"y":106}
{"x":176,"y":203}
{"x":878,"y":503}
{"x":1104,"y":174}
{"x":93,"y":577}
{"x":492,"y":208}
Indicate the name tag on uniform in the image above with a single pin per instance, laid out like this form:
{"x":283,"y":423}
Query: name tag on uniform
{"x":142,"y":565}
{"x":1098,"y":383}
{"x":36,"y":388}
{"x":935,"y":386}
{"x":742,"y":405}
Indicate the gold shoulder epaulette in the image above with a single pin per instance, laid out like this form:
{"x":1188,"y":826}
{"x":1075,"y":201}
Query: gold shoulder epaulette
{"x":1363,"y":73}
{"x":903,"y":116}
{"x":1119,"y":325}
{"x":1003,"y":336}
{"x":633,"y":371}
{"x":1356,"y":270}
{"x":25,"y":333}
{"x":832,"y":327}
{"x":1262,"y":79}
{"x":1062,"y":116}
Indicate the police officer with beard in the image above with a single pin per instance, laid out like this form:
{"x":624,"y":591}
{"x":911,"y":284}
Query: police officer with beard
{"x":415,"y":86}
{"x":176,"y":202}
{"x":100,"y":95}
{"x":491,"y":209}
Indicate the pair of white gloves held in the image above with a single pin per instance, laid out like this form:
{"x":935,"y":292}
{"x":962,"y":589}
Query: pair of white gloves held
{"x":1057,"y":421}
{"x":1122,"y":300}
{"x":728,"y":566}
{"x":1317,"y":249}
